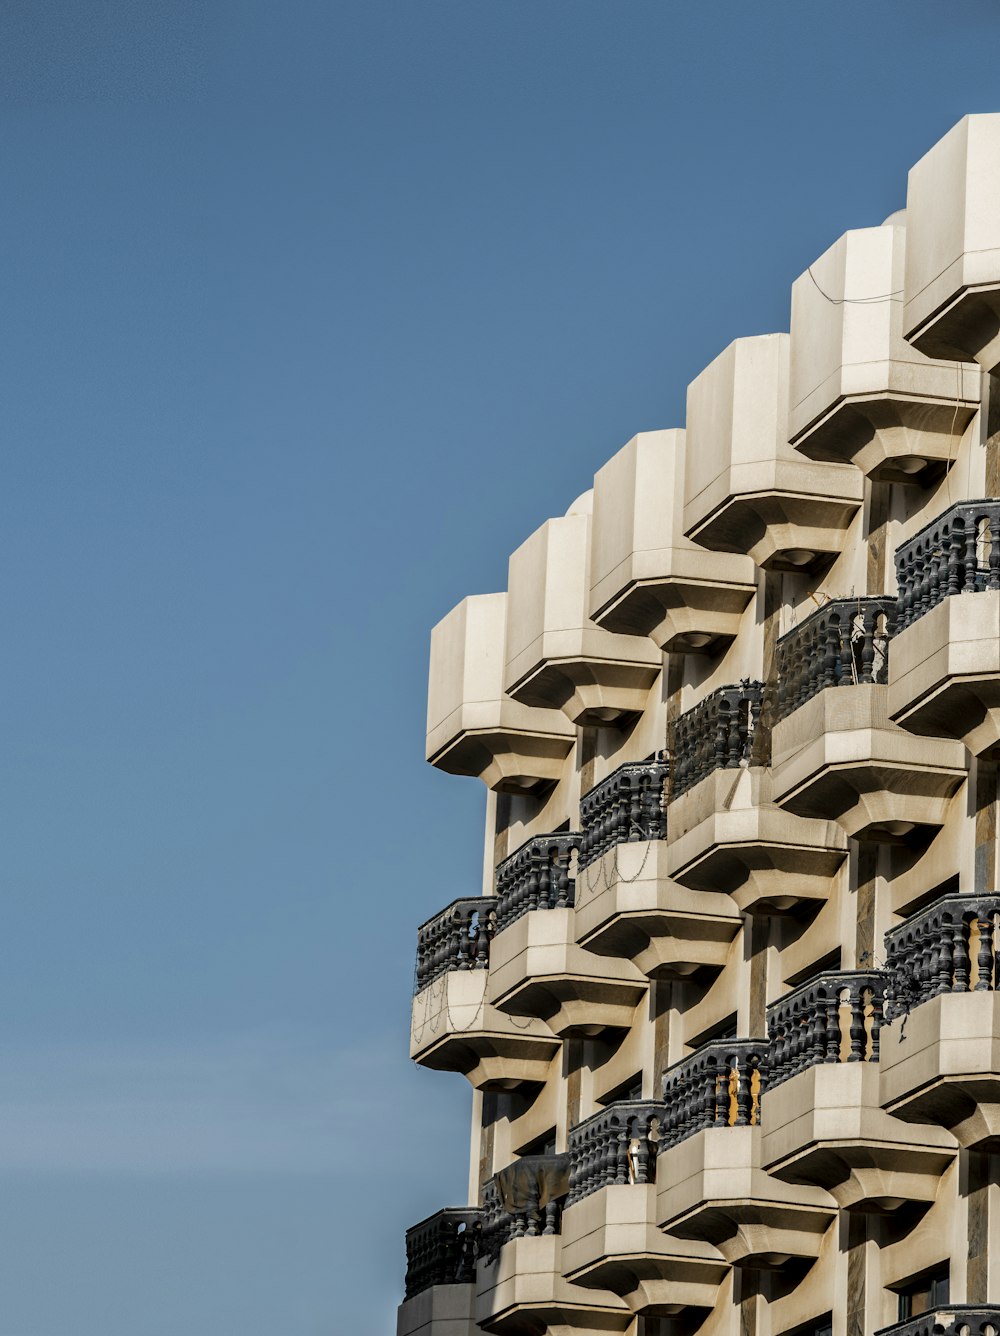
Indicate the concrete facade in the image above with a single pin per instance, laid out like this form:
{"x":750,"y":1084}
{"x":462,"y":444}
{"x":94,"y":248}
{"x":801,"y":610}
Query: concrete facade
{"x":728,"y":994}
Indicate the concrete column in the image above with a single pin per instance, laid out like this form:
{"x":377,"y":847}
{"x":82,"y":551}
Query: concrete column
{"x":661,"y":996}
{"x":863,"y":1293}
{"x":865,"y":902}
{"x":991,"y":387}
{"x":761,"y":750}
{"x":985,"y":780}
{"x":879,"y":497}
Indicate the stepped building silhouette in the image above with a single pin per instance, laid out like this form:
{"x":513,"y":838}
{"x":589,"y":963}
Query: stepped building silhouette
{"x":729,"y":994}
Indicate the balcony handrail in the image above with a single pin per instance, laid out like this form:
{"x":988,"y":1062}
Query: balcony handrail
{"x":956,"y":553}
{"x":843,"y":643}
{"x":808,"y":1026}
{"x":442,"y":1249}
{"x":715,"y":734}
{"x":614,"y":1146}
{"x":719,"y":1085}
{"x":540,"y":1213}
{"x":456,"y":938}
{"x":536,"y":876}
{"x":951,"y":946}
{"x":625,"y":806}
{"x":967,"y":1319}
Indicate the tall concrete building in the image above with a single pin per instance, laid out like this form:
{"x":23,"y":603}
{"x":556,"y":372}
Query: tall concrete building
{"x":729,"y":994}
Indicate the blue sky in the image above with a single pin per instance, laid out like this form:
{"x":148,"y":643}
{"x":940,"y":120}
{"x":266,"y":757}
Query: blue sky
{"x":311,"y":313}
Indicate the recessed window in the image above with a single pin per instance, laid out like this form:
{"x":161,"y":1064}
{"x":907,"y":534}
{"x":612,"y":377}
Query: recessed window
{"x":926,"y":1292}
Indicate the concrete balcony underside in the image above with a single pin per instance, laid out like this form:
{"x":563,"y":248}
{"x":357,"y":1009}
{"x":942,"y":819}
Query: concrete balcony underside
{"x":712,"y":1187}
{"x":536,"y":969}
{"x":727,"y":834}
{"x":825,"y":1127}
{"x":780,"y":529}
{"x":944,"y":1067}
{"x":627,"y":906}
{"x":944,"y":672}
{"x":524,"y":1291}
{"x":689,"y":600}
{"x":454,"y":1029}
{"x":840,"y":756}
{"x":610,"y":1241}
{"x":442,"y":1310}
{"x":590,"y":689}
{"x":507,"y":759}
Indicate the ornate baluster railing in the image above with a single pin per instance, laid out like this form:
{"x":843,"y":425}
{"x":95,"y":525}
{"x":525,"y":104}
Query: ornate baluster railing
{"x":957,"y":553}
{"x":626,"y":806}
{"x":539,"y":1187}
{"x":442,"y":1249}
{"x":458,"y":938}
{"x":617,"y":1145}
{"x":721,"y":1085}
{"x":536,"y":876}
{"x":949,"y":1320}
{"x":715,"y":735}
{"x":844,"y":643}
{"x":949,"y":947}
{"x":834,"y":1017}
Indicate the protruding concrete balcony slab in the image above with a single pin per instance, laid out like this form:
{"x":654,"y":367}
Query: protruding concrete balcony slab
{"x":726,"y":832}
{"x":952,"y":291}
{"x":835,"y":751}
{"x":520,"y":1284}
{"x":711,"y":1185}
{"x":441,"y":1255}
{"x":453,"y":1028}
{"x":940,"y":1055}
{"x":536,"y":967}
{"x":609,"y":1236}
{"x":646,"y":577}
{"x":949,"y":1320}
{"x":625,"y":904}
{"x":556,"y":656}
{"x":822,"y":1122}
{"x":944,"y":671}
{"x":859,"y":392}
{"x":473,"y":726}
{"x":746,"y":489}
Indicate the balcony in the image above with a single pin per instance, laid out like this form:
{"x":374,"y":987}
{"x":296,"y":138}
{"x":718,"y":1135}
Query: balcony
{"x":944,"y":678}
{"x":626,"y":904}
{"x":441,"y":1255}
{"x":823,"y":1124}
{"x":557,"y":658}
{"x":960,"y":1319}
{"x":746,"y":489}
{"x":453,"y":1028}
{"x":473,"y":727}
{"x":646,"y":577}
{"x":940,"y":1055}
{"x":537,"y":969}
{"x":859,"y":393}
{"x":609,"y":1238}
{"x":835,"y":752}
{"x":711,"y":1185}
{"x":520,"y":1284}
{"x":727,"y":833}
{"x":952,"y":294}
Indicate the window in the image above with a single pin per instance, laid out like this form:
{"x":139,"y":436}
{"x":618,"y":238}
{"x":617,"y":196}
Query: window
{"x":926,"y":1292}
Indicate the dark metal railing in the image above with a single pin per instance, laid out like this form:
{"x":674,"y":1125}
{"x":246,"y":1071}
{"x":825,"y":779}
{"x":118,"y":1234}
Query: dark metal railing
{"x":442,"y":1249}
{"x":720,"y":1085}
{"x":531,"y":1220}
{"x":841,"y":644}
{"x":536,"y":876}
{"x":949,"y":1320}
{"x":949,"y":947}
{"x":614,"y":1147}
{"x":456,"y":939}
{"x":958,"y":553}
{"x":628,"y":805}
{"x":715,"y":735}
{"x":834,"y":1017}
